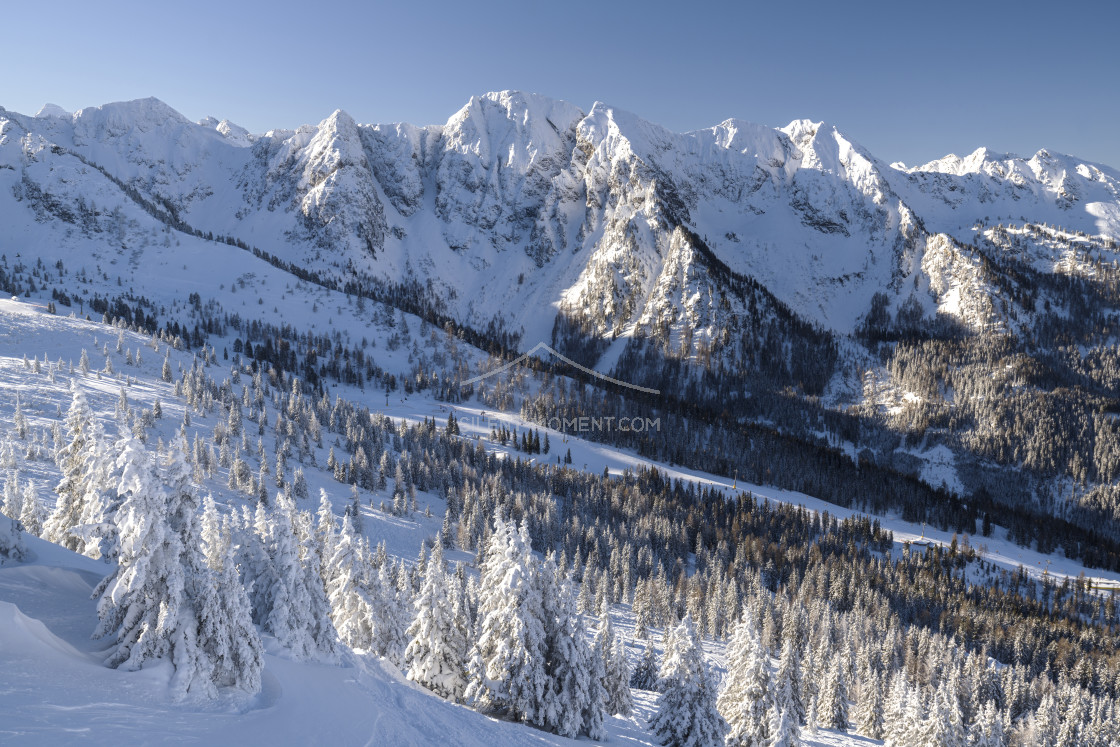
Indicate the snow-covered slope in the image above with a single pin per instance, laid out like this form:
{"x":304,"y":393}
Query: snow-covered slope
{"x":55,"y":683}
{"x":57,"y":687}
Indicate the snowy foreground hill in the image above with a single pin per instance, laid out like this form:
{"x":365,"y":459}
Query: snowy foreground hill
{"x":56,"y":686}
{"x":817,"y":449}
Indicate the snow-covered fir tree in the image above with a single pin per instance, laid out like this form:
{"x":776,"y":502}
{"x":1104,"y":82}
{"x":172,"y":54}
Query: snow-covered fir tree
{"x":226,"y":632}
{"x":215,"y":542}
{"x":163,"y":600}
{"x":788,"y":678}
{"x":611,"y":649}
{"x":506,"y":666}
{"x":987,"y":731}
{"x":392,"y":595}
{"x":897,"y":714}
{"x":646,"y":672}
{"x":574,"y":698}
{"x":326,"y":527}
{"x":687,"y":715}
{"x":869,"y":709}
{"x":12,"y":546}
{"x":31,"y":511}
{"x":833,"y":699}
{"x":784,"y":724}
{"x":745,"y":700}
{"x":95,"y":528}
{"x":140,"y":602}
{"x":436,"y":656}
{"x":352,"y":608}
{"x":73,"y":460}
{"x":12,"y":500}
{"x":297,"y":612}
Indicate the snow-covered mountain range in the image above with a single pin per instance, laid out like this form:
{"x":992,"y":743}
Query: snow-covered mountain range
{"x":520,"y":207}
{"x":923,"y":359}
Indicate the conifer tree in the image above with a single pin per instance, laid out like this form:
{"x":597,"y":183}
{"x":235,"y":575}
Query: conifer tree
{"x":31,"y":513}
{"x":869,"y":710}
{"x":988,"y":729}
{"x":507,"y":662}
{"x":13,"y":501}
{"x":140,"y":602}
{"x":645,"y":674}
{"x":784,"y":725}
{"x":1045,"y":722}
{"x":162,"y":600}
{"x":226,"y":627}
{"x":784,"y":730}
{"x":437,"y":651}
{"x":789,"y":676}
{"x":95,"y":528}
{"x":620,"y":700}
{"x":686,"y":710}
{"x":297,"y":612}
{"x":73,"y":461}
{"x":594,"y":708}
{"x":12,"y":546}
{"x":215,"y":613}
{"x":326,"y":527}
{"x":574,"y":692}
{"x":897,"y":711}
{"x":214,"y":545}
{"x":351,"y":606}
{"x":392,"y":613}
{"x":833,"y":708}
{"x":19,"y":420}
{"x":951,"y":728}
{"x":745,"y":701}
{"x":299,"y":485}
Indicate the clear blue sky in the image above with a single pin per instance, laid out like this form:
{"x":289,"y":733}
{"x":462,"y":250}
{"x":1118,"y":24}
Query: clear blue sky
{"x":910,"y":81}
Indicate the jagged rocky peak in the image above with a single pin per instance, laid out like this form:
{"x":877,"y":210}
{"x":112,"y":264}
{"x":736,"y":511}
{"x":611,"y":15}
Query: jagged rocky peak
{"x":334,"y":192}
{"x":336,"y":144}
{"x":618,"y":128}
{"x":511,"y":128}
{"x":317,"y":151}
{"x":1044,"y":165}
{"x":973,"y":163}
{"x":118,"y":118}
{"x":825,"y":148}
{"x":53,"y":110}
{"x":233,"y":133}
{"x":496,"y":159}
{"x":765,"y":143}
